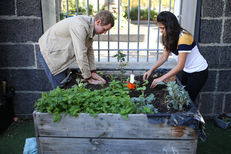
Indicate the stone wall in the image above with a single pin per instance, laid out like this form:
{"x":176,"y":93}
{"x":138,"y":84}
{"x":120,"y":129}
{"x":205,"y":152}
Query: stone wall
{"x":21,"y":27}
{"x":215,"y":45}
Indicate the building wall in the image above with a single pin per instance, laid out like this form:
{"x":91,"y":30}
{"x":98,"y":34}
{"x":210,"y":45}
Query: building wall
{"x":215,"y":45}
{"x":21,"y":27}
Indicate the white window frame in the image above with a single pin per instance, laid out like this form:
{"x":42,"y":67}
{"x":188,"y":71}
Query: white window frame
{"x":185,"y":10}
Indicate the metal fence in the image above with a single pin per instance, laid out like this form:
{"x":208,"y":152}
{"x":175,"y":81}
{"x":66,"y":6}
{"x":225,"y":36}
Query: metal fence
{"x":140,"y":42}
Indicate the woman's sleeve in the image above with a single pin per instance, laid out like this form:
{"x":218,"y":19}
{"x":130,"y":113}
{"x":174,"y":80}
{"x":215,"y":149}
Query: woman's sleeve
{"x":186,"y":43}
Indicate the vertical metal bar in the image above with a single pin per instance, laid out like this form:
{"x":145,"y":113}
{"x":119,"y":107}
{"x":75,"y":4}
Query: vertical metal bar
{"x":67,"y":10}
{"x":180,"y":12}
{"x":108,"y":37}
{"x":170,"y":2}
{"x":158,"y":33}
{"x":57,"y":10}
{"x":138,"y":33}
{"x":197,"y":22}
{"x":98,"y":35}
{"x":77,"y":7}
{"x":128,"y":30}
{"x":88,"y":12}
{"x":118,"y":26}
{"x":149,"y":9}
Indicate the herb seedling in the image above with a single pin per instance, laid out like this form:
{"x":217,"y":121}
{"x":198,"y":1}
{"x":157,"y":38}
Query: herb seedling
{"x":143,"y":88}
{"x":121,"y":57}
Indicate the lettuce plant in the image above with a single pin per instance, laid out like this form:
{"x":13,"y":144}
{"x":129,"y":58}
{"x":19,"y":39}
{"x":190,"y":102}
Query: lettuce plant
{"x":178,"y":96}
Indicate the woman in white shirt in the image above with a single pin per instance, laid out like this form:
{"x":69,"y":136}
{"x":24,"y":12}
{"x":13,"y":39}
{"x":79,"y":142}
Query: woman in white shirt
{"x":181,"y":44}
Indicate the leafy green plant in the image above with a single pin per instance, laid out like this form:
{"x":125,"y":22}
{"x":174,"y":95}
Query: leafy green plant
{"x":112,"y":99}
{"x":123,"y":64}
{"x":143,"y":88}
{"x":178,"y":96}
{"x":79,"y":99}
{"x":144,"y":103}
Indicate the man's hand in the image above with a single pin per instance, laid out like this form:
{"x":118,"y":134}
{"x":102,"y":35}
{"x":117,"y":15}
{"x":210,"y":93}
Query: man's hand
{"x":97,"y":77}
{"x":95,"y":82}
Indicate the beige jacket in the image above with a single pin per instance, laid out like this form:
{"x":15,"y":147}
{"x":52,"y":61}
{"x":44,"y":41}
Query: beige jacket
{"x":69,"y":40}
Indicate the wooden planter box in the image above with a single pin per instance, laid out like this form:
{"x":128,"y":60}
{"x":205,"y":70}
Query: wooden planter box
{"x":110,"y":133}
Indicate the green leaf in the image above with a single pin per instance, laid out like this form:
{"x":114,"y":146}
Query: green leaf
{"x":150,"y":98}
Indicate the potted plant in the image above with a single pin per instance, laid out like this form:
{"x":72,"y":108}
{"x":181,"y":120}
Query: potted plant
{"x":223,"y":120}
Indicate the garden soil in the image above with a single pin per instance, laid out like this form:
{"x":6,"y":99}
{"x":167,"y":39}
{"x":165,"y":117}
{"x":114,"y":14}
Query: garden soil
{"x":160,"y":91}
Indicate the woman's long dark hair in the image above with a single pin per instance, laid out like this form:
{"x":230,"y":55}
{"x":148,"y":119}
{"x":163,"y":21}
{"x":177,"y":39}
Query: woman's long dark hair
{"x":172,"y":28}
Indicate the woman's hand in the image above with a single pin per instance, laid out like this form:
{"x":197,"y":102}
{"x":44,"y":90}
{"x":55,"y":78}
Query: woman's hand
{"x":155,"y":81}
{"x":164,"y":56}
{"x":97,"y":77}
{"x":146,"y":75}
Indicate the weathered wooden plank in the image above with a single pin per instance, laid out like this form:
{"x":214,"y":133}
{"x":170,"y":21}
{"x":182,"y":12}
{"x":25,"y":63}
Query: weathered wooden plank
{"x":109,"y":126}
{"x":115,"y":146}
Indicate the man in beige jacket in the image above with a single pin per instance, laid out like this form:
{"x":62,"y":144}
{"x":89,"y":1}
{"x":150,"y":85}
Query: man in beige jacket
{"x":71,"y":40}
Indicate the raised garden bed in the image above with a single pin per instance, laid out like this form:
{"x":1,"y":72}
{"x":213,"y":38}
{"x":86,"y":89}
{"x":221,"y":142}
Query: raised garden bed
{"x":163,"y":132}
{"x":110,"y":133}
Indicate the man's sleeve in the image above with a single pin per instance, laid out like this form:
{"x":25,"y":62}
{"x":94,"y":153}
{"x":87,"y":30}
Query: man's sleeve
{"x":91,"y":58}
{"x":79,"y":35}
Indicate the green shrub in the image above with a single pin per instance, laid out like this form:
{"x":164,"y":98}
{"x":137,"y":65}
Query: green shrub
{"x":82,"y":11}
{"x":143,"y":14}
